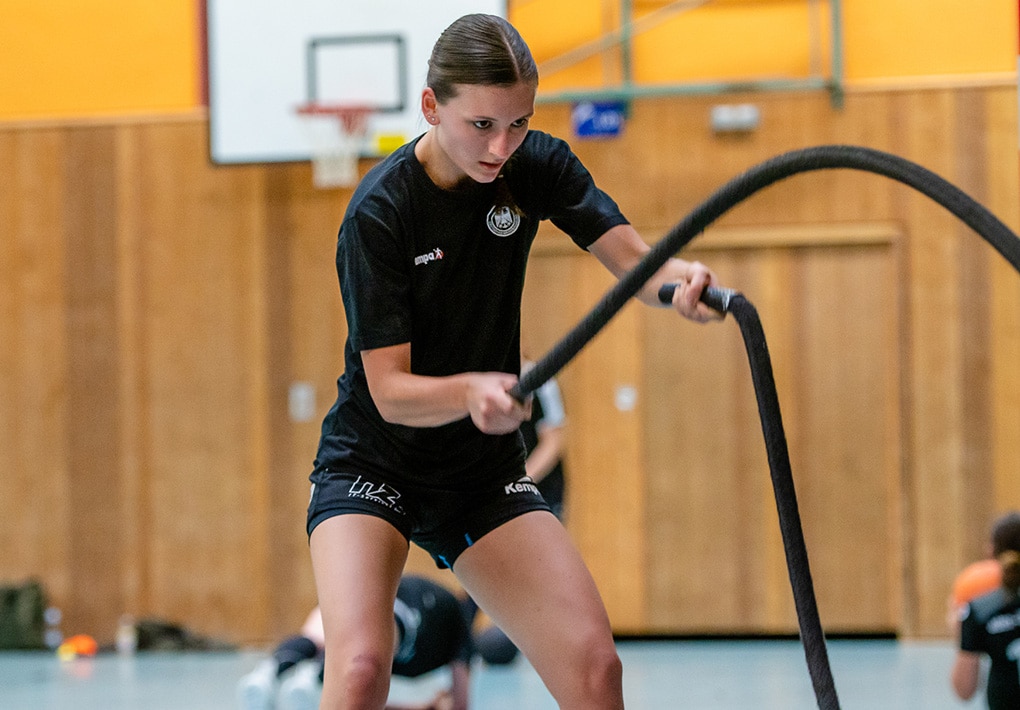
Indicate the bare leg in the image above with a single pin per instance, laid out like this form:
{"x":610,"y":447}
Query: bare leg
{"x":357,"y":560}
{"x":528,"y":576}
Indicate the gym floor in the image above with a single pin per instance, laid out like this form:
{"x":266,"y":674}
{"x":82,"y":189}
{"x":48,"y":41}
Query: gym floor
{"x":658,"y":674}
{"x":704,"y":675}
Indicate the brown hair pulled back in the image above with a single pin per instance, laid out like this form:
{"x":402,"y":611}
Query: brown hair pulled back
{"x":481,"y":50}
{"x":1006,"y":549}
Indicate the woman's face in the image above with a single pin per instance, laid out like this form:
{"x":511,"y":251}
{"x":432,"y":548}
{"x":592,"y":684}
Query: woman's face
{"x":476,"y":131}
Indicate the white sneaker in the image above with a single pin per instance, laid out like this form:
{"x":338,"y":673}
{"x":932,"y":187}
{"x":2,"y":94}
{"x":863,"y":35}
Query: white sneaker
{"x":301,"y":689}
{"x":256,"y":690}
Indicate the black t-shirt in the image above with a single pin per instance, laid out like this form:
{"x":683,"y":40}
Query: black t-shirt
{"x":991,"y":625}
{"x":432,"y":628}
{"x":444,"y":271}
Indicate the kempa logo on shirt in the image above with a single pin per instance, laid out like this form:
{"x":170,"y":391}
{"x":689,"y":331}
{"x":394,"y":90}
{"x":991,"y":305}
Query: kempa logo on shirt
{"x":434,"y":255}
{"x":503,"y":221}
{"x":521,"y":485}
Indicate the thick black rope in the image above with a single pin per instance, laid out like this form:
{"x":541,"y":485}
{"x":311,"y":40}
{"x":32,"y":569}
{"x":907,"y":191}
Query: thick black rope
{"x":976,"y":216}
{"x":797,"y":565}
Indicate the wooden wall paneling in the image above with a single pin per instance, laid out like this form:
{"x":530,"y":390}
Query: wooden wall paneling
{"x":133,"y":456}
{"x":977,"y":479}
{"x":10,"y":348}
{"x":1005,"y":346}
{"x":34,"y":499}
{"x":307,"y":322}
{"x":1000,"y":134}
{"x":606,"y":498}
{"x":206,"y":390}
{"x":706,"y":478}
{"x":845,"y":465}
{"x":846,"y":458}
{"x":282,"y":550}
{"x":935,"y":364}
{"x":766,"y":277}
{"x":95,"y":554}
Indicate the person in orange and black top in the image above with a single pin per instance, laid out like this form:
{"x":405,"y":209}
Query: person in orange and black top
{"x":990,"y":626}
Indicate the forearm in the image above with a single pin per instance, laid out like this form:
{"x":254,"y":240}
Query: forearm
{"x":674,"y":271}
{"x":964,"y":676}
{"x":419,"y":401}
{"x":460,"y":685}
{"x":403,"y":397}
{"x":621,"y":249}
{"x":545,"y":455}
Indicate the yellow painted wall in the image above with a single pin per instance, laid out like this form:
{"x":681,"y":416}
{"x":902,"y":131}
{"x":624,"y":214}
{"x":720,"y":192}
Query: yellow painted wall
{"x":740,"y":39}
{"x":70,"y":57}
{"x":63,"y":58}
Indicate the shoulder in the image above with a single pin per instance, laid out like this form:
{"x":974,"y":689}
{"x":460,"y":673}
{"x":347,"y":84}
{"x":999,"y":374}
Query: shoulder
{"x":987,"y":605}
{"x":976,"y":579}
{"x":386,"y":183}
{"x":543,"y":149}
{"x":542,"y":141}
{"x":382,"y":199}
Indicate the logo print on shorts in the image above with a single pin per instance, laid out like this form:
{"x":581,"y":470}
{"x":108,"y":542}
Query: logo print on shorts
{"x":376,"y":492}
{"x":524,"y":484}
{"x":503,"y":221}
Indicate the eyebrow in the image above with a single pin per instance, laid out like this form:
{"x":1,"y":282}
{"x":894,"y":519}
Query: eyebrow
{"x":490,"y":118}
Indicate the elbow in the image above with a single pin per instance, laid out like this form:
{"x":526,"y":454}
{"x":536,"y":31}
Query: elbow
{"x":964,"y":677}
{"x":387,"y":405}
{"x":389,"y":410}
{"x":964,"y":692}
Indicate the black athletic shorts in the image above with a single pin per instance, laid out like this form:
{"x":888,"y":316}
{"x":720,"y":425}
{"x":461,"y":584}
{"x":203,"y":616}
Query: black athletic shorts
{"x":443,"y":522}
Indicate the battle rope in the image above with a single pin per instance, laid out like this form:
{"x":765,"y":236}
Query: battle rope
{"x":976,"y":216}
{"x":797,"y":566}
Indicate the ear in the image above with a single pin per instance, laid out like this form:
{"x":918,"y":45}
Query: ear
{"x":429,"y":105}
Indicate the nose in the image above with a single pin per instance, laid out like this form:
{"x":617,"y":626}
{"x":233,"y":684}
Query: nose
{"x":500,"y":144}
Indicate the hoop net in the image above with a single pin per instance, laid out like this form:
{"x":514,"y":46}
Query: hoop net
{"x":336,"y":134}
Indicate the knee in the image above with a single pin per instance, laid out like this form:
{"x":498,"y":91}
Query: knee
{"x":603,"y":674}
{"x":361,"y":680}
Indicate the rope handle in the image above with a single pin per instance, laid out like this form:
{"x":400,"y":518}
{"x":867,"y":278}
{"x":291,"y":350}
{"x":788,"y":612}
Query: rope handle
{"x":714,"y":297}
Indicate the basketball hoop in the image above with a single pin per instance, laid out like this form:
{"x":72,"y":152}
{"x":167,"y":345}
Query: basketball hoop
{"x":336,"y":134}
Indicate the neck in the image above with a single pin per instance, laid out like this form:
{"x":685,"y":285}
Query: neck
{"x":439,"y":169}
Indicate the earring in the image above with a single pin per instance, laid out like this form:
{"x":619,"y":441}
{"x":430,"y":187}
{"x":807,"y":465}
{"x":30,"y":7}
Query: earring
{"x":431,"y":118}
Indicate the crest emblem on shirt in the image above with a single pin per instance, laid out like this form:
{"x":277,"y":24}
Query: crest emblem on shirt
{"x":503,"y":221}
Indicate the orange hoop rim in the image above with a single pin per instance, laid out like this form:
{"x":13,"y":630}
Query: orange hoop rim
{"x":352,"y":118}
{"x":314,"y":108}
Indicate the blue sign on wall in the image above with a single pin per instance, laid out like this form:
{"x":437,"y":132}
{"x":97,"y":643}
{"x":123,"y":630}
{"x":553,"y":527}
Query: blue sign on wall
{"x":598,"y":119}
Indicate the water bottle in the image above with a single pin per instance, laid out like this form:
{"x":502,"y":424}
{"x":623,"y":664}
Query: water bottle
{"x":127,"y":636}
{"x":52,"y":636}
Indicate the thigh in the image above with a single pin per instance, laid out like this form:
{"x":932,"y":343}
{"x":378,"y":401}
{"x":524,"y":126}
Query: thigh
{"x":357,"y":560}
{"x":530,"y":579}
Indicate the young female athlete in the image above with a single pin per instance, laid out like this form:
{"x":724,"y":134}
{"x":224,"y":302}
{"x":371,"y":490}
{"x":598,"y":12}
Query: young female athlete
{"x":422,"y":443}
{"x":990,"y":626}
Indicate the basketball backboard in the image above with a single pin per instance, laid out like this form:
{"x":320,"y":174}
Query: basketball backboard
{"x":268,"y":57}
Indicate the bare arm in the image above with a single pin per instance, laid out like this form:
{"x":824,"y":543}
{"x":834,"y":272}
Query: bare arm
{"x":966,"y":669}
{"x":420,"y":401}
{"x":621,"y":248}
{"x":312,"y":629}
{"x":546,"y":453}
{"x":460,"y":685}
